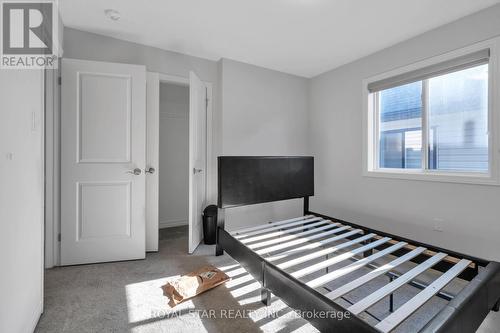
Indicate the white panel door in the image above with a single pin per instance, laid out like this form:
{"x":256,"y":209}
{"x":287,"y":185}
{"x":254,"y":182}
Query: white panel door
{"x":197,"y":158}
{"x":103,"y":140}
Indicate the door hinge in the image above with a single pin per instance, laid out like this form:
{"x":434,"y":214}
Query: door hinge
{"x":59,"y":80}
{"x":58,"y":237}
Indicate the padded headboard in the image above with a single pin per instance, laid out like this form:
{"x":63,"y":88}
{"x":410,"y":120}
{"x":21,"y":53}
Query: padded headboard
{"x":247,"y":180}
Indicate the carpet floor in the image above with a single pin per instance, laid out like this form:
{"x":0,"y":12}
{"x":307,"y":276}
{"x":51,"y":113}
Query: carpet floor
{"x":127,"y":297}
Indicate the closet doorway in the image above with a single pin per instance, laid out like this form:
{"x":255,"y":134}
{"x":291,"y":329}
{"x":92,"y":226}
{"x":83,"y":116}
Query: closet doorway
{"x":173,"y":162}
{"x":179,"y":131}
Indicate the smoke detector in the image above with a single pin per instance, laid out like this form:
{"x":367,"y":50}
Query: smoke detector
{"x":112,"y":14}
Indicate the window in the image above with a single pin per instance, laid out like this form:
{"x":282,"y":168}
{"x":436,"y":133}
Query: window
{"x":433,"y":120}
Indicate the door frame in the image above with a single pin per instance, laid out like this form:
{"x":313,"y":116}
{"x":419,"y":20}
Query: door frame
{"x":211,"y":159}
{"x":52,"y":166}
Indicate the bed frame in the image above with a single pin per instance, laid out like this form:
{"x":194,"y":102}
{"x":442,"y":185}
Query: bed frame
{"x":251,"y":180}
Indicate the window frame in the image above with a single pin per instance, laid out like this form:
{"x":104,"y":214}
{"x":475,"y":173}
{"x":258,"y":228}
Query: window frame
{"x":371,"y":142}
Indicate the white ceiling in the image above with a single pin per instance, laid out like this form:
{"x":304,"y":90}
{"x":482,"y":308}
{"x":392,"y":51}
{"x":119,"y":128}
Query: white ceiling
{"x":302,"y":37}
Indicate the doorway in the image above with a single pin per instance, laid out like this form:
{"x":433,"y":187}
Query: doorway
{"x":173,"y":163}
{"x":109,"y":156}
{"x":179,"y":132}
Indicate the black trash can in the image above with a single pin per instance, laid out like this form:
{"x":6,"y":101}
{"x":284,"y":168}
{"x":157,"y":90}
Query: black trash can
{"x":209,"y":224}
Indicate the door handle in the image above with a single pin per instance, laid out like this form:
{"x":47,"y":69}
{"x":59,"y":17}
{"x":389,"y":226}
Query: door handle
{"x":136,"y":171}
{"x":195,"y":171}
{"x":150,"y":170}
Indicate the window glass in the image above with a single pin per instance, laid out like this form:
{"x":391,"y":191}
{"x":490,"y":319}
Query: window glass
{"x":400,"y":121}
{"x":458,"y":120}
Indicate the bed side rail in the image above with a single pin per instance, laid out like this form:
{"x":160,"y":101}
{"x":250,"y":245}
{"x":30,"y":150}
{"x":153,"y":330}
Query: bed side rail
{"x":467,"y":310}
{"x":247,"y":258}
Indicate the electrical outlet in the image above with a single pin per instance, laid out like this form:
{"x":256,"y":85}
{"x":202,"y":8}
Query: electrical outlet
{"x":438,"y":224}
{"x":438,"y":228}
{"x":33,"y":121}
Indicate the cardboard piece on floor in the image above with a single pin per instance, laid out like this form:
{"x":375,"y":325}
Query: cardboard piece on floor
{"x":194,"y":283}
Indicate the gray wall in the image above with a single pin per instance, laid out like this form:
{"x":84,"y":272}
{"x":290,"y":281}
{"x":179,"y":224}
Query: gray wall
{"x":174,"y":155}
{"x":469,"y":214}
{"x":264,"y":112}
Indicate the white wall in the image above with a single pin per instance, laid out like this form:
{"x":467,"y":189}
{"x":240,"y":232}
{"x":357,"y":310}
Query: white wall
{"x":21,"y":199}
{"x":264,"y":112}
{"x":469,"y":214}
{"x":174,"y":155}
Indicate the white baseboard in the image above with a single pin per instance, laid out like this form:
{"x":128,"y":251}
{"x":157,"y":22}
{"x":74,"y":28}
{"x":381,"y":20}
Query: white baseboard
{"x":172,"y":223}
{"x":33,"y":322}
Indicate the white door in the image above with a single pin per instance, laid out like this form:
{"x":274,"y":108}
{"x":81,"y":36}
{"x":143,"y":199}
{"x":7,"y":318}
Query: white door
{"x":103,"y":140}
{"x":197,"y":158}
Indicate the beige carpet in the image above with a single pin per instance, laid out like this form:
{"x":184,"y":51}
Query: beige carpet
{"x":127,"y":297}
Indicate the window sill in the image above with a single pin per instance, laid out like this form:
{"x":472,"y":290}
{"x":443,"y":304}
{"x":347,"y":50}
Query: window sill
{"x":444,"y":177}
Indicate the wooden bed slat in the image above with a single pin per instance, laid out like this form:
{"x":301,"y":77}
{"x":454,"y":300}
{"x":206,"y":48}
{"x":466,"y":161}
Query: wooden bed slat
{"x":261,"y":226}
{"x":283,"y":232}
{"x":324,"y":252}
{"x":292,"y":236}
{"x":395,"y":318}
{"x":344,"y":256}
{"x":376,"y":296}
{"x":274,"y":227}
{"x":354,"y":266}
{"x":300,"y":241}
{"x":339,"y":292}
{"x":315,"y":245}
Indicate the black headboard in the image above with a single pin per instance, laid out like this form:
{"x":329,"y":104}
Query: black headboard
{"x":246,"y":180}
